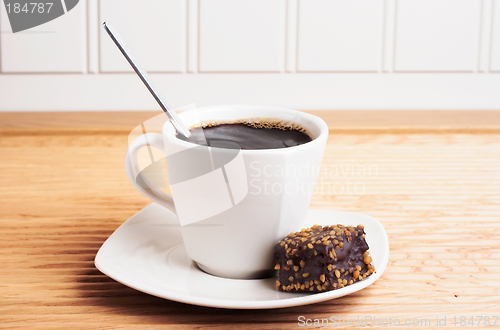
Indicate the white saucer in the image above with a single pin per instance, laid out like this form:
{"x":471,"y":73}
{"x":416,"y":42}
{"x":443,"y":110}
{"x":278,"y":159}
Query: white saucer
{"x":146,"y":253}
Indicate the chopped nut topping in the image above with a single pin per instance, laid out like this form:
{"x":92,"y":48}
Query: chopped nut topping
{"x":322,"y":278}
{"x":305,"y":274}
{"x":302,"y":263}
{"x":355,"y":274}
{"x":367,"y":259}
{"x":296,"y":268}
{"x":290,"y":278}
{"x":310,"y":246}
{"x":337,"y":273}
{"x":278,"y":266}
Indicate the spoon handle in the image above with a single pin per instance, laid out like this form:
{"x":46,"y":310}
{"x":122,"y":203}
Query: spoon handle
{"x":178,"y":124}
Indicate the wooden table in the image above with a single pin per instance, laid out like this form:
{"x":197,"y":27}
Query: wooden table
{"x":434,"y":184}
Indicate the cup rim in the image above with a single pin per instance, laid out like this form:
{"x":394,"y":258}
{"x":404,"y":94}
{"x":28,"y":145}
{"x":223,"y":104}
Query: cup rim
{"x":168,"y":129}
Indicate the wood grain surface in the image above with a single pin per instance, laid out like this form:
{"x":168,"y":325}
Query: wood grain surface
{"x":435,"y":186}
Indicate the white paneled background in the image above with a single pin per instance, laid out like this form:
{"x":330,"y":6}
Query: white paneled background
{"x":304,"y":54}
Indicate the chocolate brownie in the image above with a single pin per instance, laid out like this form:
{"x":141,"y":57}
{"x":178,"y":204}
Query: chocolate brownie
{"x":321,"y":259}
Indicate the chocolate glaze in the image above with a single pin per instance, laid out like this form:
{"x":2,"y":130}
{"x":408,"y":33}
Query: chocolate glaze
{"x":247,"y":137}
{"x":295,"y":258}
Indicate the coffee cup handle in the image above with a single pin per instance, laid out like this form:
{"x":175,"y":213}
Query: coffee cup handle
{"x":131,"y":163}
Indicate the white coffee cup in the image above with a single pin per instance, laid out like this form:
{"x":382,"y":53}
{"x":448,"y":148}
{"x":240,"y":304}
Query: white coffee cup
{"x":233,"y":214}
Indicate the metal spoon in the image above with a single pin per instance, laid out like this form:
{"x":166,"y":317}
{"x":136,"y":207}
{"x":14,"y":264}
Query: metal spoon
{"x":176,"y":121}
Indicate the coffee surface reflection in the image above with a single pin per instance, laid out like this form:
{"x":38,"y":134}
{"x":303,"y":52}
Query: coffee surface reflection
{"x":248,"y":136}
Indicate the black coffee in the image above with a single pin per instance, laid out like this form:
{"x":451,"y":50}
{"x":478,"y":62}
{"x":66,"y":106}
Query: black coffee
{"x":248,"y":136}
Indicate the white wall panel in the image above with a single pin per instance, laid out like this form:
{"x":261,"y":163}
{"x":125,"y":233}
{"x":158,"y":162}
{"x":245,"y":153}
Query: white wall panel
{"x":495,"y":39}
{"x":56,"y":46}
{"x":437,"y":35}
{"x":93,"y":27}
{"x":340,"y":35}
{"x":155,"y":30}
{"x":308,"y":54}
{"x":291,"y":36}
{"x":242,"y":35}
{"x":485,"y":36}
{"x":306,"y":91}
{"x":192,"y":36}
{"x":388,"y":43}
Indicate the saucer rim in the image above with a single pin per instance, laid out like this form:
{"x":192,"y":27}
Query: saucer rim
{"x":243,"y":304}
